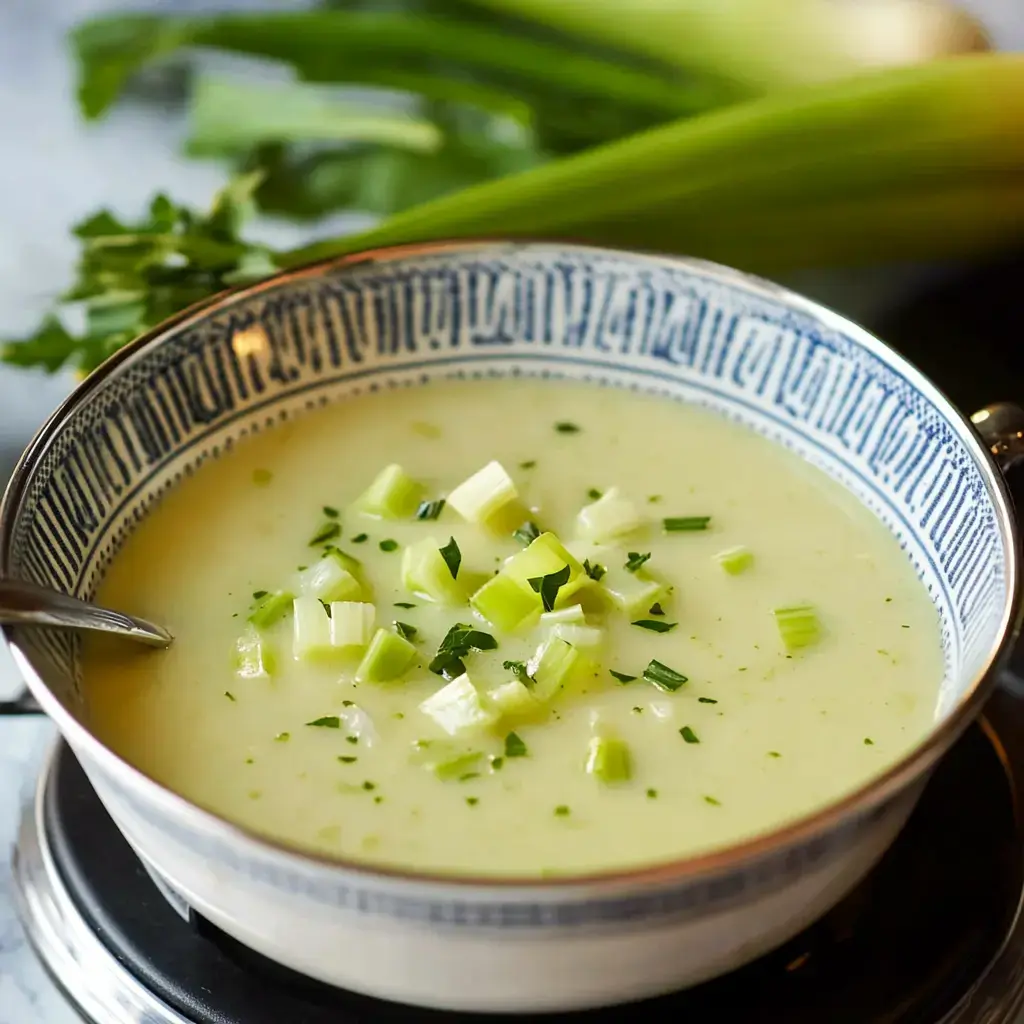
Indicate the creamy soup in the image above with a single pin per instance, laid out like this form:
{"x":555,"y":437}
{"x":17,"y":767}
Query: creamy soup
{"x":687,"y":636}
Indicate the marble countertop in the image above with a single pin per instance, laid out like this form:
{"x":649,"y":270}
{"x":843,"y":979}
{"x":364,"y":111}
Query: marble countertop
{"x":54,"y":171}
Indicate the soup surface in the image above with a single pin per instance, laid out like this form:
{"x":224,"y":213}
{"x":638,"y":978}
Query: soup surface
{"x":588,"y":753}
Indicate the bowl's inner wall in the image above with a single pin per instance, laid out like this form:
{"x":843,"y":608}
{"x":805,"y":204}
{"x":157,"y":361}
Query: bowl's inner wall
{"x":795,"y":374}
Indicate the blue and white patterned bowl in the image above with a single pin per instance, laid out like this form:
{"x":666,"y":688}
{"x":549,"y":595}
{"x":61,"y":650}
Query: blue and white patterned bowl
{"x":793,"y":371}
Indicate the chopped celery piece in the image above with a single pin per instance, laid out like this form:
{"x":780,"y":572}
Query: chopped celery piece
{"x":552,"y":666}
{"x":426,"y":573}
{"x":608,"y":759}
{"x":351,"y":623}
{"x":329,"y":580}
{"x":609,"y":517}
{"x":631,"y":591}
{"x":581,"y":637}
{"x":544,"y":556}
{"x":392,"y":495}
{"x":387,"y":658}
{"x":271,"y":608}
{"x":735,"y":560}
{"x":446,"y":760}
{"x":312,"y":628}
{"x":512,"y":698}
{"x":254,"y":656}
{"x":572,"y":613}
{"x":505,"y":604}
{"x":457,"y":707}
{"x":798,"y":626}
{"x":484,"y":493}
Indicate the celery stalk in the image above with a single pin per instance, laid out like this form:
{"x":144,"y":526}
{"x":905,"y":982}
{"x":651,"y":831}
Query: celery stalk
{"x":458,"y":707}
{"x":387,"y":658}
{"x":865,"y":145}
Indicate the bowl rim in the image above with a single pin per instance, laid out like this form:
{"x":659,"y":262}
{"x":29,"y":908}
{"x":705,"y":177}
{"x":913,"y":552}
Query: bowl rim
{"x":737,"y":857}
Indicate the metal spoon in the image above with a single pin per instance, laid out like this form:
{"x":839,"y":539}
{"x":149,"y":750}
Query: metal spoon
{"x":25,"y":604}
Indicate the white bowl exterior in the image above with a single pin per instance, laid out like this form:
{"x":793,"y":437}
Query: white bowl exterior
{"x":698,"y":333}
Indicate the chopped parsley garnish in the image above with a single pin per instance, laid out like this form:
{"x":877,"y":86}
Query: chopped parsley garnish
{"x":404,"y":604}
{"x":258,"y":595}
{"x":331,"y":513}
{"x":654,"y":499}
{"x":655,"y":625}
{"x":685,"y":524}
{"x":230,"y":695}
{"x":496,"y":763}
{"x":262,"y":477}
{"x":548,"y":586}
{"x":388,"y":545}
{"x":868,"y":741}
{"x":520,"y":671}
{"x":567,"y":428}
{"x":452,"y":557}
{"x":527,"y":533}
{"x":347,"y":759}
{"x":620,"y":676}
{"x":562,"y":811}
{"x":369,"y":786}
{"x":404,"y":630}
{"x":711,"y":800}
{"x":635,"y":560}
{"x":360,"y":538}
{"x":283,"y":737}
{"x":327,"y":722}
{"x":472,"y":800}
{"x":514,"y":746}
{"x":663,"y":677}
{"x":328,"y":531}
{"x":457,"y":643}
{"x":655,"y":609}
{"x":430,"y":509}
{"x":528,"y":464}
{"x":354,"y":740}
{"x":652,"y":794}
{"x":688,"y":734}
{"x":595,"y":571}
{"x":469,"y":775}
{"x":593,"y":494}
{"x":706,"y":700}
{"x":774,"y":753}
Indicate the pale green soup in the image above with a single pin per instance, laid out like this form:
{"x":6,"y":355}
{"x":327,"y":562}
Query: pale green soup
{"x":573,"y":772}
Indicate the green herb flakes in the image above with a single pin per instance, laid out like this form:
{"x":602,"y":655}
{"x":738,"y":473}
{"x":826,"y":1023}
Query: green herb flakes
{"x":688,"y":734}
{"x":621,"y":676}
{"x":360,"y":538}
{"x":388,"y":545}
{"x":230,"y":696}
{"x":452,"y":557}
{"x":595,"y":571}
{"x":562,"y":811}
{"x":331,"y":513}
{"x":655,"y":625}
{"x":567,"y":428}
{"x":514,"y":746}
{"x":635,"y":559}
{"x":328,"y":531}
{"x":663,"y":677}
{"x":706,"y":700}
{"x":282,"y":737}
{"x":548,"y":586}
{"x":327,"y":722}
{"x":527,"y":533}
{"x":405,"y":631}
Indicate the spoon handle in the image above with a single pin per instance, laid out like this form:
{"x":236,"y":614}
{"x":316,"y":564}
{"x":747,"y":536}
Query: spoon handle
{"x":26,"y":604}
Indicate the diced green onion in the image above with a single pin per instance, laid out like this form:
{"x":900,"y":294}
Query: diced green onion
{"x":735,"y":560}
{"x":392,"y":495}
{"x":685,"y":524}
{"x":458,"y":707}
{"x":609,"y":517}
{"x":572,"y":613}
{"x":388,"y":657}
{"x":609,"y":760}
{"x":430,"y":509}
{"x":514,"y":746}
{"x":484,"y":493}
{"x":351,"y":623}
{"x":635,"y":560}
{"x":621,"y":677}
{"x":664,"y":678}
{"x":325,"y":532}
{"x":271,"y":608}
{"x":511,"y":699}
{"x":505,"y":605}
{"x":798,"y":626}
{"x":255,"y":656}
{"x":388,"y":544}
{"x":311,"y":628}
{"x":655,"y":625}
{"x":452,"y":557}
{"x":425,"y":572}
{"x":328,"y":580}
{"x":552,"y":667}
{"x":581,"y":637}
{"x":633,"y":592}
